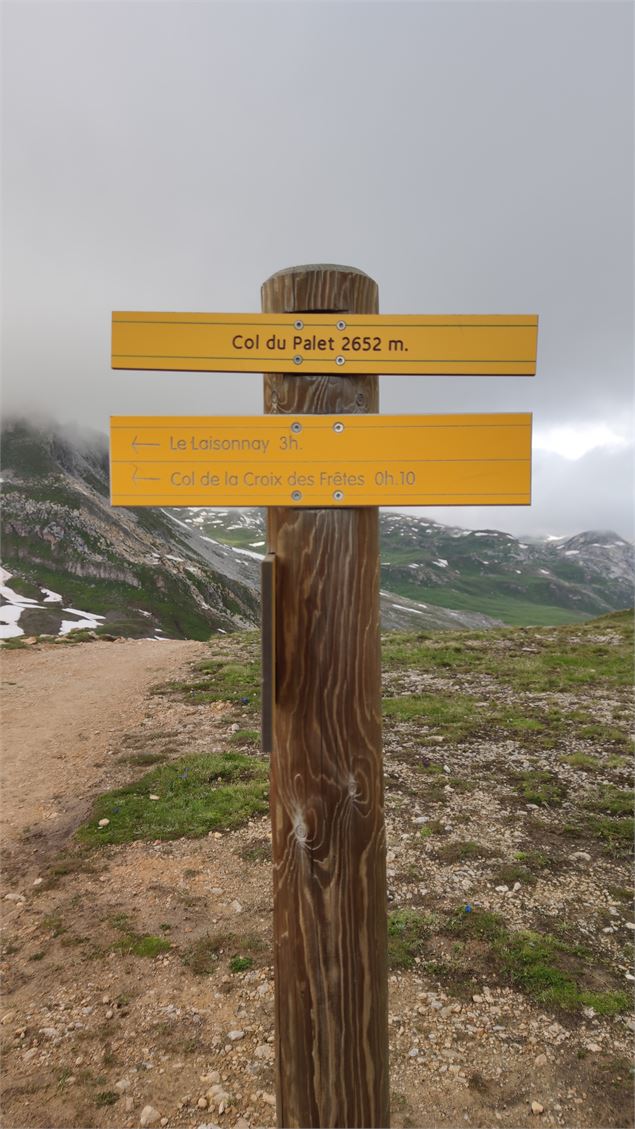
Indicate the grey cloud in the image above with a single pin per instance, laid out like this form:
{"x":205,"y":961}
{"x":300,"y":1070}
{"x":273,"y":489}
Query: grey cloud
{"x":471,"y":157}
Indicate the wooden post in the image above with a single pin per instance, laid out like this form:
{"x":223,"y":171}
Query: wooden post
{"x":328,"y":837}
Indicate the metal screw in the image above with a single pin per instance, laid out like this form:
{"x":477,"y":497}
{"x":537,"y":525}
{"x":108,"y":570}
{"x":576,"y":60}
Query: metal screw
{"x":337,"y":494}
{"x":296,"y":495}
{"x":298,"y":324}
{"x":339,"y":360}
{"x":338,"y":427}
{"x":341,"y":325}
{"x":297,"y":360}
{"x":296,"y":427}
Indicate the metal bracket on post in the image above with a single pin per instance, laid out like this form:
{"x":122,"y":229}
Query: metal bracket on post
{"x":268,"y":637}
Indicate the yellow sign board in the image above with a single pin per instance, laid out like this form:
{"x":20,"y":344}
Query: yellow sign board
{"x":320,"y":460}
{"x":492,"y":345}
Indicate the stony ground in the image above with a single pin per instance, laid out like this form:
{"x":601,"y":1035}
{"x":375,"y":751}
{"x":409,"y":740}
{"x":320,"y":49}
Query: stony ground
{"x":137,"y":975}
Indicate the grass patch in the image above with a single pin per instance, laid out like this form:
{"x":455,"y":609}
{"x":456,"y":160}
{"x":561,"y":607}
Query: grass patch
{"x":583,"y":761}
{"x":611,"y":800}
{"x":619,"y":762}
{"x":221,"y":680}
{"x":483,"y":924}
{"x":241,"y":964}
{"x":64,"y":865}
{"x":141,"y":945}
{"x":510,"y":872}
{"x":533,"y":859}
{"x":450,"y":714}
{"x":621,"y":893}
{"x":432,"y":827}
{"x":462,"y":717}
{"x":53,"y":923}
{"x":106,"y":1097}
{"x":143,"y":760}
{"x":615,"y":833}
{"x":245,"y":737}
{"x":532,"y":962}
{"x":196,"y":795}
{"x":204,"y":954}
{"x":407,"y":934}
{"x":537,"y":786}
{"x":534,"y":660}
{"x":257,"y":852}
{"x":463,"y":850}
{"x":600,"y":732}
{"x":543,"y":966}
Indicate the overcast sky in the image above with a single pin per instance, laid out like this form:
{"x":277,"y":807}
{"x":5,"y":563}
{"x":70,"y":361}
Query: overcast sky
{"x":473,"y":157}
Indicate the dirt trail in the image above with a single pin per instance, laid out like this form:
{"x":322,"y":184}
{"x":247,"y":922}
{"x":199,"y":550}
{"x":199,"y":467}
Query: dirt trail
{"x":62,"y":710}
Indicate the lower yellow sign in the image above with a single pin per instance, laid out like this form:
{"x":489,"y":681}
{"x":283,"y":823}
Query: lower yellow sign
{"x":349,"y":460}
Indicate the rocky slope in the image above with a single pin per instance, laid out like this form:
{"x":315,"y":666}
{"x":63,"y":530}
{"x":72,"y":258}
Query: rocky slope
{"x":138,"y":572}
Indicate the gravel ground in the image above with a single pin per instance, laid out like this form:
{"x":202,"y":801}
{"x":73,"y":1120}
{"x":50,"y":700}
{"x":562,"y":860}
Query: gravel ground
{"x":94,"y":1035}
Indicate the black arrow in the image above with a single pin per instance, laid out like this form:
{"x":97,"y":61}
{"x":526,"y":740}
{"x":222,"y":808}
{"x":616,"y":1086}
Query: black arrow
{"x":135,"y":444}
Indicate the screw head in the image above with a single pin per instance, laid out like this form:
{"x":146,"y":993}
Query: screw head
{"x":338,"y":426}
{"x":338,"y":496}
{"x":339,"y":360}
{"x":341,"y":325}
{"x":296,"y":495}
{"x":297,"y":360}
{"x":299,"y":324}
{"x":295,"y":426}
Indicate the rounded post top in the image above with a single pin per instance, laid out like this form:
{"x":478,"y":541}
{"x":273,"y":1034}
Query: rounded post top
{"x":320,"y":288}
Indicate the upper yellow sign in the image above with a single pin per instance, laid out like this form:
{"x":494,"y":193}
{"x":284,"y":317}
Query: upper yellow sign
{"x":492,"y":345}
{"x":314,"y":460}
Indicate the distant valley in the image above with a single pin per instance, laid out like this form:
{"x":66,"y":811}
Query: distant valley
{"x":72,"y":562}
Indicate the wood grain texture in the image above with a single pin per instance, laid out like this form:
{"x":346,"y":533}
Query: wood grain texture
{"x":328,"y":838}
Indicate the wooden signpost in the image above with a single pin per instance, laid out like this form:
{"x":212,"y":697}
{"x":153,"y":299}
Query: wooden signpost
{"x":322,"y":460}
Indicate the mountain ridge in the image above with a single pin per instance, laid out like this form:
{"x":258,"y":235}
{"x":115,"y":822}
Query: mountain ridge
{"x":194,"y":571}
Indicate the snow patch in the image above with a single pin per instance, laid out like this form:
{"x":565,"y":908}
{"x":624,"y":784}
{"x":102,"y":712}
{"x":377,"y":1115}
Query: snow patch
{"x":9,"y":616}
{"x":247,"y":553}
{"x":13,"y":598}
{"x":51,"y":597}
{"x":10,"y":631}
{"x":77,"y":625}
{"x":442,"y":563}
{"x":177,"y":521}
{"x":84,"y":615}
